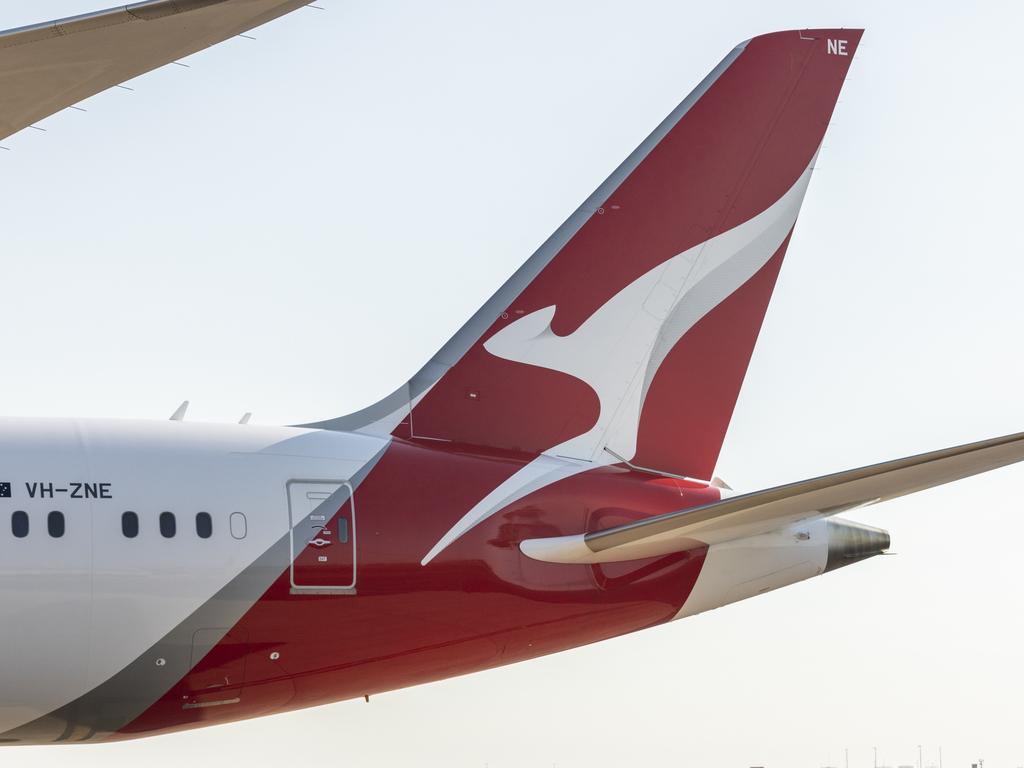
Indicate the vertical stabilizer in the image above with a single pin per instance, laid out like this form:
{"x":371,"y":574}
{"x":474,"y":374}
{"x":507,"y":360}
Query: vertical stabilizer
{"x":630,"y":330}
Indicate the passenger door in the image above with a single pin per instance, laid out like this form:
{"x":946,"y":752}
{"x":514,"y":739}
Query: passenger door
{"x":323,"y":536}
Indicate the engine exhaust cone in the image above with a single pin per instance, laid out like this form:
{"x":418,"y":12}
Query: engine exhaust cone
{"x":850,"y":542}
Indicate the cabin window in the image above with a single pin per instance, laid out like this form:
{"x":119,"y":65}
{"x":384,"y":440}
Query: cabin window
{"x":204,"y":525}
{"x":168,"y":525}
{"x":239,"y":526}
{"x":130,"y":525}
{"x":19,"y":524}
{"x":55,"y":524}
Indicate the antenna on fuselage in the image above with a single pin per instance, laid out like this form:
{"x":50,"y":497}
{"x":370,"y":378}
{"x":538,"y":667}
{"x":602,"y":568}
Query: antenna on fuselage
{"x":245,"y":418}
{"x":179,"y":415}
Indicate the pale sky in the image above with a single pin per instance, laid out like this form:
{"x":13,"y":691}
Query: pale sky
{"x":293,"y":225}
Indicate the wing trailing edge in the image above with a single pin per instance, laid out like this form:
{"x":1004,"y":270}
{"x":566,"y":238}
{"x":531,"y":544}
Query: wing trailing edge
{"x":47,"y":67}
{"x":763,"y":511}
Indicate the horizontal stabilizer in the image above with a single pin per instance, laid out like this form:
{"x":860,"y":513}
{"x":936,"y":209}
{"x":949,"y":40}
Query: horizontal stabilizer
{"x":48,"y":67}
{"x":763,"y":511}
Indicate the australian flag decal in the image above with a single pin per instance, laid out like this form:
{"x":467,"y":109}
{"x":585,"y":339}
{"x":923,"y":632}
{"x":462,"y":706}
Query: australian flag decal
{"x":5,"y":490}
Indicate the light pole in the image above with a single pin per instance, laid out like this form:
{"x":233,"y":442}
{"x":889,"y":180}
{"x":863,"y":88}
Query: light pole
{"x":920,"y":764}
{"x":876,"y":756}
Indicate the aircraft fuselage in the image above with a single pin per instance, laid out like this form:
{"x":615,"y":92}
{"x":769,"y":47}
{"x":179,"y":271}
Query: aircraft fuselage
{"x":146,"y":617}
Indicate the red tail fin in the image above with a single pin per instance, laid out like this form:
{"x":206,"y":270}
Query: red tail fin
{"x":629,"y":332}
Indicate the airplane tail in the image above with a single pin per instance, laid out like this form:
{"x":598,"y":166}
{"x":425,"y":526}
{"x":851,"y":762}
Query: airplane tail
{"x":628,"y":333}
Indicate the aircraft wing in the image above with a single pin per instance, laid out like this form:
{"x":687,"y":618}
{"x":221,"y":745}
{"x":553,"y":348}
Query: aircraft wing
{"x":763,"y":511}
{"x":47,"y":67}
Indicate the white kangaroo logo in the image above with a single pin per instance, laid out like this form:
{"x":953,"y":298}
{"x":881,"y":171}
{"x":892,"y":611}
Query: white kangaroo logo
{"x":619,"y":348}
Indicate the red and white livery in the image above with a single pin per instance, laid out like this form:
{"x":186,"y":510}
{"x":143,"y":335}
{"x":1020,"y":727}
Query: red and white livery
{"x":543,"y":482}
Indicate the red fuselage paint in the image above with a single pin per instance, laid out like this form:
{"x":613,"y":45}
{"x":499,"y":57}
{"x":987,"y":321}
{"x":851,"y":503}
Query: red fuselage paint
{"x":480,"y":604}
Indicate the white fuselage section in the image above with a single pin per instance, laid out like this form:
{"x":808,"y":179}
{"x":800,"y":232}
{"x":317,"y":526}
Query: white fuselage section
{"x":78,"y":607}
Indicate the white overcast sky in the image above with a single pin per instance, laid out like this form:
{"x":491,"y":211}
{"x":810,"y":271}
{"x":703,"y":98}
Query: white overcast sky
{"x":294,"y":224}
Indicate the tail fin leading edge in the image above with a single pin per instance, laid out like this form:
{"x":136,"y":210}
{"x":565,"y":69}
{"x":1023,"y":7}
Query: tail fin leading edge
{"x":630,"y":330}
